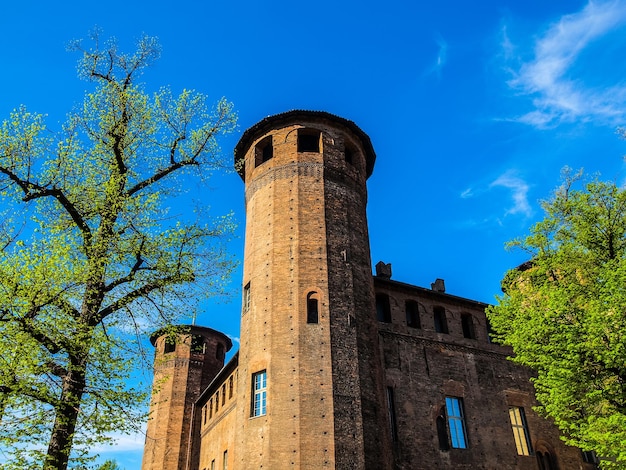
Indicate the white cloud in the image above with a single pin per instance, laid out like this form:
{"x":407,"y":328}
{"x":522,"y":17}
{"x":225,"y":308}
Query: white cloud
{"x":123,"y":443}
{"x":519,"y":192}
{"x":442,"y":57}
{"x":557,"y":96}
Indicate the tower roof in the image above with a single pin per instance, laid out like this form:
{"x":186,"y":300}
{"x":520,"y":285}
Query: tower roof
{"x":294,"y":116}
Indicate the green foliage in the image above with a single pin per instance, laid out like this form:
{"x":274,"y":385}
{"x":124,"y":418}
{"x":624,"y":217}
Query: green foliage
{"x":564,"y":314}
{"x":90,"y":256}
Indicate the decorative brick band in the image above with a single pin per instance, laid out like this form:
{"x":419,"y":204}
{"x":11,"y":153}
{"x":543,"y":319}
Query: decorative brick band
{"x":310,"y":169}
{"x":444,"y":345}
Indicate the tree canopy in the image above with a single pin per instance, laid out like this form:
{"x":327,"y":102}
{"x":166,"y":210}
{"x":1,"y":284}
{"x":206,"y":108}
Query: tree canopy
{"x":90,"y":256}
{"x":564,"y":314}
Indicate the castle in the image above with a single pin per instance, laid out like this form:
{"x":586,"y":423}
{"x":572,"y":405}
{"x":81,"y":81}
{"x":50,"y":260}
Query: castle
{"x":338,"y":368}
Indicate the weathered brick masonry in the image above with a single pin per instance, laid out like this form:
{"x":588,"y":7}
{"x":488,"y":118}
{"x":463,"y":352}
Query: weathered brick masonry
{"x":337,"y":368}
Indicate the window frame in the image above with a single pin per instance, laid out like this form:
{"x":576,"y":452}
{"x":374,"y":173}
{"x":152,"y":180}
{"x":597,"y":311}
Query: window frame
{"x":457,"y":429}
{"x":521,"y":434}
{"x":259,"y":394}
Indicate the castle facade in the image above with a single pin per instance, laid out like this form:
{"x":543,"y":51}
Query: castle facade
{"x":338,"y":368}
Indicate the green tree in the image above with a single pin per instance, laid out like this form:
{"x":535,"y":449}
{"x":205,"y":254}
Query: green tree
{"x":564,"y":314}
{"x":90,"y":255}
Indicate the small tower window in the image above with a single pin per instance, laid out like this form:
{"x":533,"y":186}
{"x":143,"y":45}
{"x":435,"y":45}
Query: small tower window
{"x":170,"y":345}
{"x":223,"y":394}
{"x":383,"y":309}
{"x":230,"y":387}
{"x":412,"y":314}
{"x":219,"y":352}
{"x":312,"y":308}
{"x":441,"y":324}
{"x":308,"y":140}
{"x":263,"y":151}
{"x":246,"y":297}
{"x":197,"y":344}
{"x":467,"y":323}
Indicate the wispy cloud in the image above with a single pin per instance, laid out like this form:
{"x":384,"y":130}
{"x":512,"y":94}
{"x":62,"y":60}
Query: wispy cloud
{"x":519,"y":193}
{"x":442,"y":57}
{"x":557,"y":95}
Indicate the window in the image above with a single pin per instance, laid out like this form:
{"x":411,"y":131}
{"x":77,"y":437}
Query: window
{"x":197,"y":344}
{"x":467,"y":323}
{"x":349,"y":153}
{"x":223,"y":394}
{"x":246,"y":297}
{"x":442,"y":433}
{"x":520,"y":430}
{"x":383,"y":309}
{"x":545,"y":461}
{"x":312,"y":315}
{"x":439,"y":315}
{"x":170,"y":345}
{"x":219,"y":351}
{"x":308,"y":140}
{"x":456,"y":422}
{"x":412,"y":314}
{"x":230,"y":387}
{"x":217,"y":401}
{"x":259,"y":393}
{"x":391,"y":408}
{"x":263,"y":151}
{"x":204,"y":414}
{"x":213,"y":464}
{"x":590,"y":456}
{"x":210,"y":408}
{"x":225,"y":461}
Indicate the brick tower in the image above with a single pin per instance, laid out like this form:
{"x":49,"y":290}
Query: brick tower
{"x":309,"y":357}
{"x":184,"y":365}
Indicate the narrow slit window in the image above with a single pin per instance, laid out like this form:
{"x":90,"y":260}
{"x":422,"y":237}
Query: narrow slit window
{"x":246,"y":297}
{"x":439,"y":316}
{"x":412,"y":314}
{"x":391,"y":408}
{"x":308,"y":140}
{"x":230,"y":387}
{"x":210,"y":408}
{"x":312,"y":308}
{"x":223,"y":394}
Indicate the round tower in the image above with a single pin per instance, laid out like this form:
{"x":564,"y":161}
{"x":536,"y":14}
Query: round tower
{"x":309,"y":357}
{"x":185,"y":362}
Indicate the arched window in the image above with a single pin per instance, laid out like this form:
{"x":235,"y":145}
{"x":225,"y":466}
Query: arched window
{"x":412,"y":314}
{"x":383,"y":309}
{"x":312,"y":307}
{"x":442,"y":431}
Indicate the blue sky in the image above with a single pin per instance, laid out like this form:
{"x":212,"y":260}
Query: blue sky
{"x":473,"y":108}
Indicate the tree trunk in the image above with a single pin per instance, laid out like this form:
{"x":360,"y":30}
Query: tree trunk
{"x":66,"y":416}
